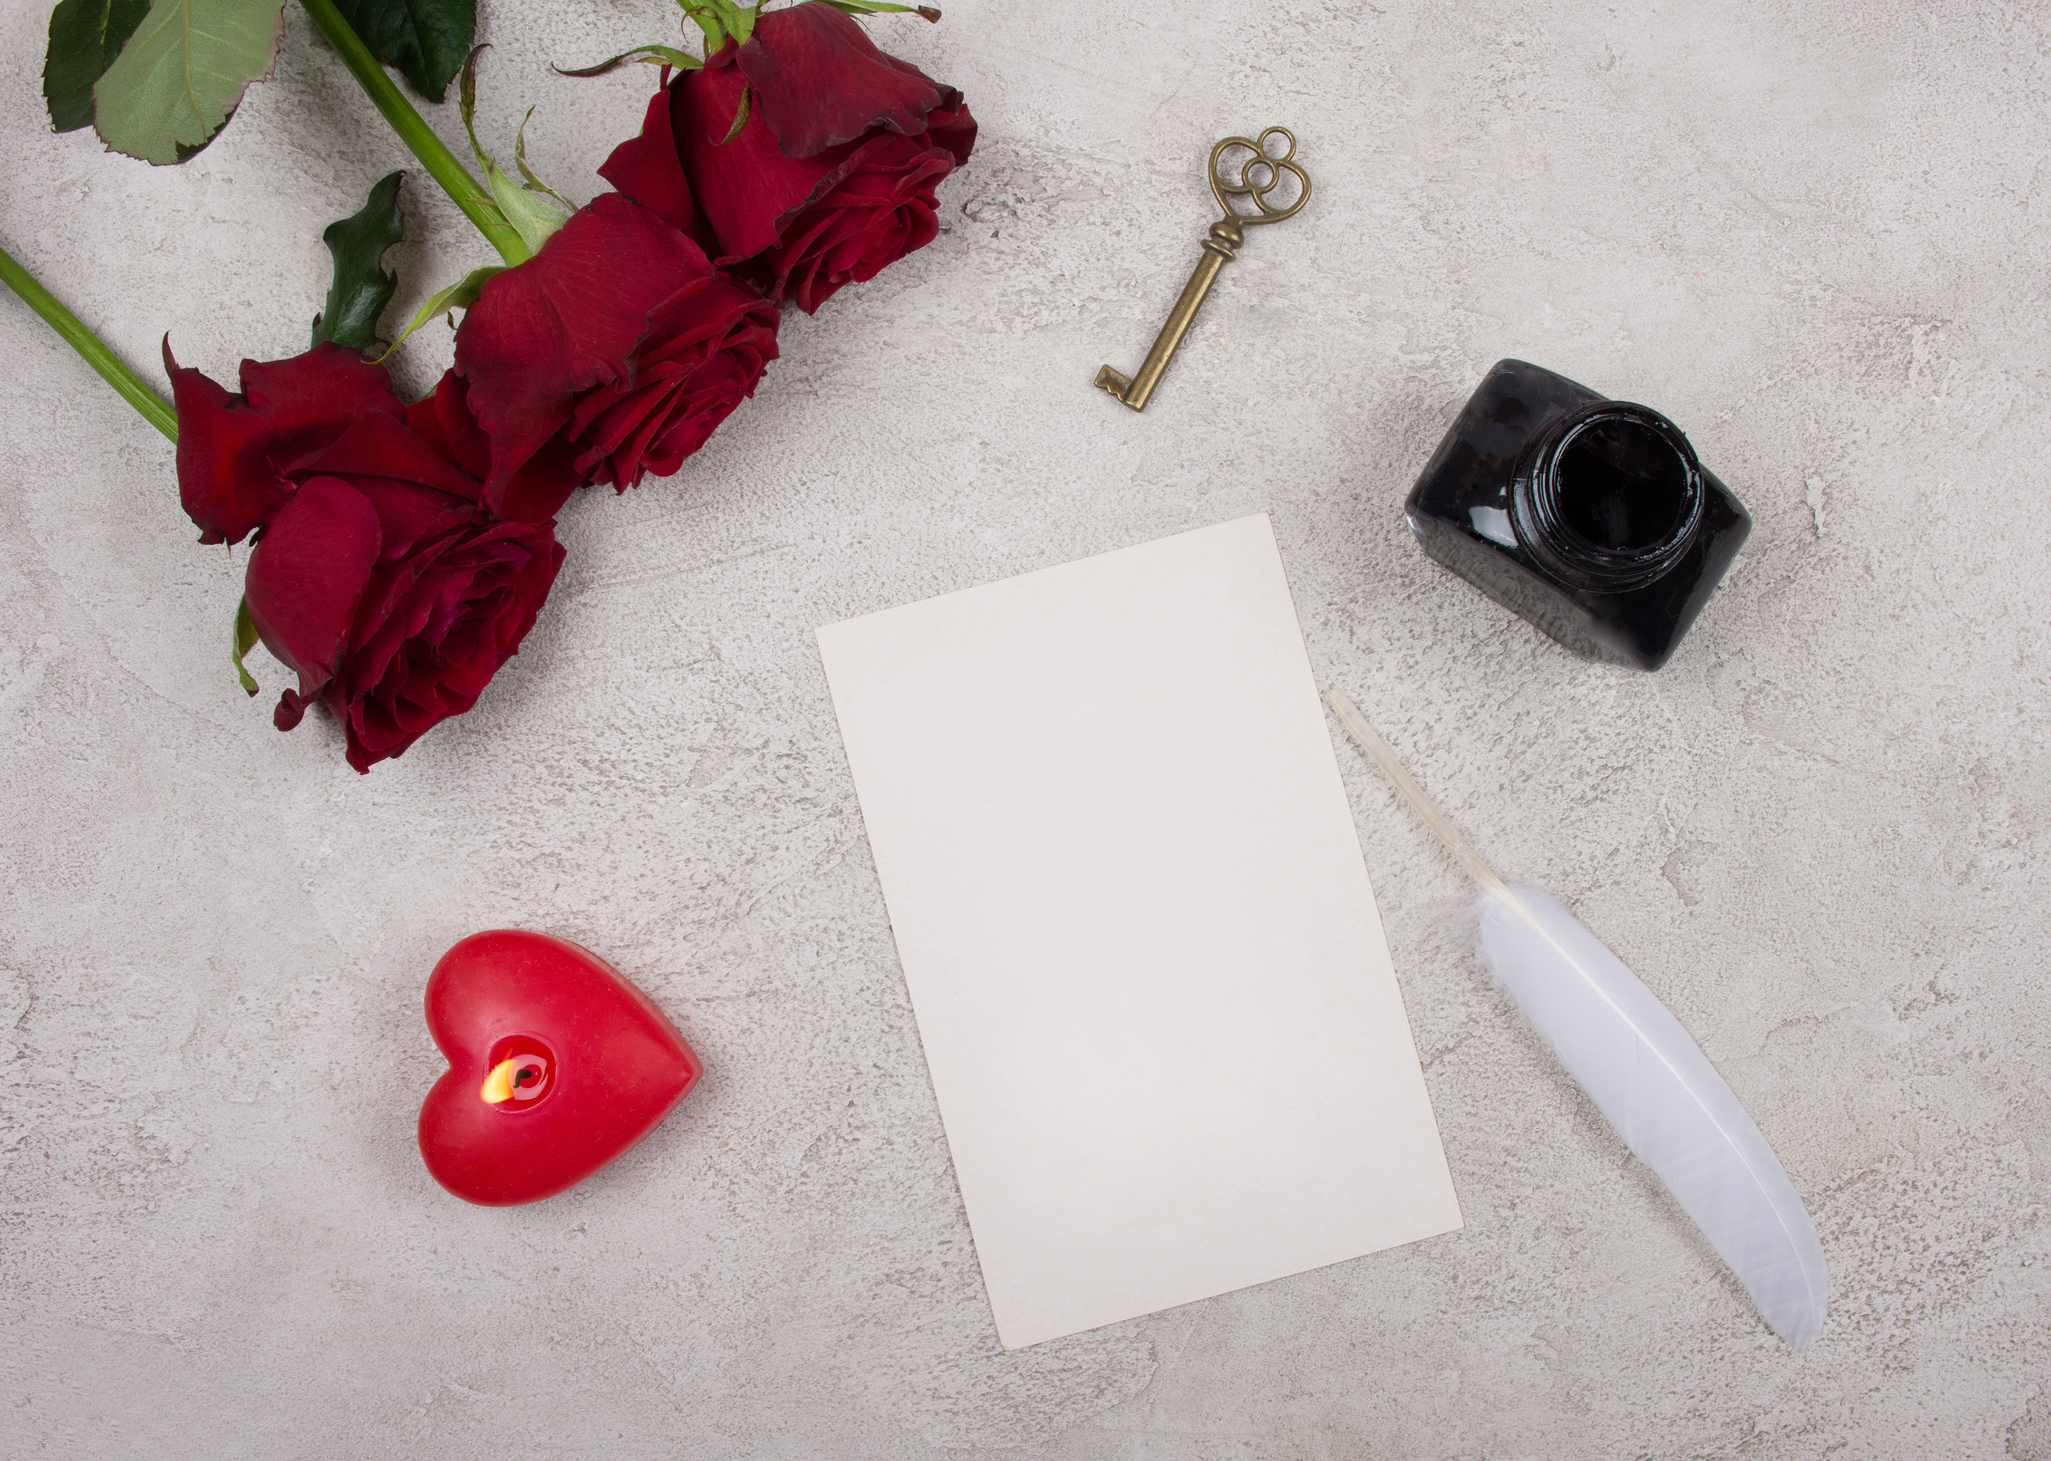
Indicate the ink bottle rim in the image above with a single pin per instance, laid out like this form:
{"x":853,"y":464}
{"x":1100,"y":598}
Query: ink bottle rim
{"x":1549,"y":520}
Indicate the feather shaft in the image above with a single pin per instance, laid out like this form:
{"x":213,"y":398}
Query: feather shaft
{"x":1383,"y":755}
{"x":1644,"y":1073}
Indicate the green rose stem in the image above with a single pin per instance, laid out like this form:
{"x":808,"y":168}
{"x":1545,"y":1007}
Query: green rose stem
{"x":134,"y":390}
{"x":468,"y":193}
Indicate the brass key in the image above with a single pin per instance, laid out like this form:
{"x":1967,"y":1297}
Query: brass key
{"x":1259,"y":175}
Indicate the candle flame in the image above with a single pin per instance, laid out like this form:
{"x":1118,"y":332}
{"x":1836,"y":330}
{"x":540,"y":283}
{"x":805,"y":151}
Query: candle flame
{"x":498,"y":1086}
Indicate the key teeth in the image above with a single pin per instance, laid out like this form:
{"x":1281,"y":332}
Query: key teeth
{"x":1113,"y":383}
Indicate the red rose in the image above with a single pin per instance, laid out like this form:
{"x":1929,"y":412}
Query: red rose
{"x":390,"y":590}
{"x":615,"y":350}
{"x":379,"y":575}
{"x":831,"y":178}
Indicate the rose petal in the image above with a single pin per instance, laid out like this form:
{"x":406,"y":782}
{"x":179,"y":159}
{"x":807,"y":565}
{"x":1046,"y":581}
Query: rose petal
{"x":646,"y":168}
{"x":745,"y":186}
{"x":820,"y":80}
{"x":949,"y":125}
{"x":409,"y":514}
{"x":382,"y":446}
{"x":236,"y":453}
{"x":537,"y":492}
{"x":534,"y":493}
{"x":305,"y":578}
{"x":444,"y":422}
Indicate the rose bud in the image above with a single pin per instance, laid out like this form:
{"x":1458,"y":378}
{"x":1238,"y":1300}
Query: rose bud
{"x":830,"y":179}
{"x":615,"y":350}
{"x":391,"y":591}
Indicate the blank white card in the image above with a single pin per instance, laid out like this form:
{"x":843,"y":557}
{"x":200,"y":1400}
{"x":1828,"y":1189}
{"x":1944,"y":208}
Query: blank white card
{"x":1152,"y":985}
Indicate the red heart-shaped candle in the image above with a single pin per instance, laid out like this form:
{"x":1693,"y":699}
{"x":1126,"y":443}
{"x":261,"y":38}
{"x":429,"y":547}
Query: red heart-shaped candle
{"x":556,"y":1066}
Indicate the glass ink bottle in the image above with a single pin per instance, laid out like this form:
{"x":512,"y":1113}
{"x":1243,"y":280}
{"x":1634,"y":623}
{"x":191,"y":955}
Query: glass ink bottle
{"x":1591,"y":518}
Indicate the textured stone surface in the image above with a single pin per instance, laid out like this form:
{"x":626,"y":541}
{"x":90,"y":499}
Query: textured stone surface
{"x":1812,"y":235}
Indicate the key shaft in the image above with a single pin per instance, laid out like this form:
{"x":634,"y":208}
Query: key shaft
{"x":1219,"y":249}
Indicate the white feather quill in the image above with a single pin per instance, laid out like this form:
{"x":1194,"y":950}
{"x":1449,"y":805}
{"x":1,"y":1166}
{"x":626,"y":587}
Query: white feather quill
{"x":1644,"y":1073}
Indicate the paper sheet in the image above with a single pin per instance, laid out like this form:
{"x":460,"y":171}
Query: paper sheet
{"x":1152,"y":985}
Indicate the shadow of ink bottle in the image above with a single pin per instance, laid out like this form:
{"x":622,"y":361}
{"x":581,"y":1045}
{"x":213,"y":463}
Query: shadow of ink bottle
{"x":1592,"y":518}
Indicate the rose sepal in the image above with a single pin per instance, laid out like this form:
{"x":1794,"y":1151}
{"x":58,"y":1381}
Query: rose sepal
{"x":243,"y":642}
{"x":668,"y":57}
{"x":526,"y":207}
{"x":722,"y":21}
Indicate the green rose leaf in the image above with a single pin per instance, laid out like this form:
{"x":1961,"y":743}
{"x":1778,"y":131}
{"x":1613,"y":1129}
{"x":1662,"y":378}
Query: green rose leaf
{"x":245,"y":641}
{"x":362,"y":286}
{"x":85,"y":37}
{"x":426,"y":39}
{"x":182,"y":74}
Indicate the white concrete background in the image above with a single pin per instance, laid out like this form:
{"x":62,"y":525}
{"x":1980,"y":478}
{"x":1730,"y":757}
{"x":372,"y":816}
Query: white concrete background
{"x":1811,"y":234}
